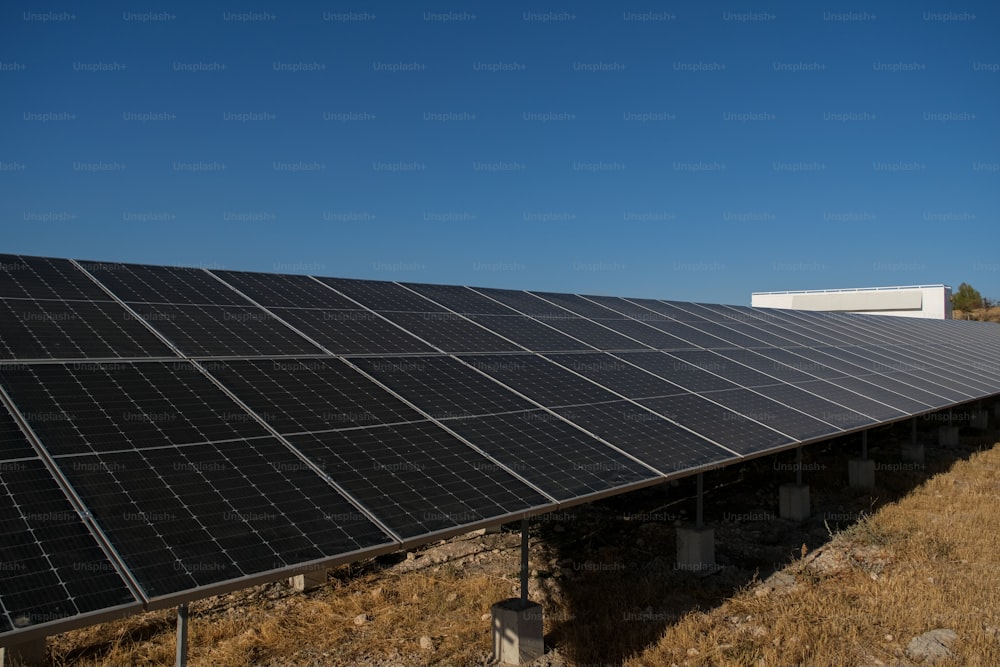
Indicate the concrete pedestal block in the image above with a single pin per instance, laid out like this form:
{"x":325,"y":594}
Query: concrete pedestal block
{"x":948,"y":436}
{"x":27,"y":654}
{"x":307,"y":581}
{"x":913,"y":452}
{"x":517,"y":631}
{"x":980,"y":420}
{"x":494,"y":529}
{"x":696,"y":549}
{"x":861,"y":473}
{"x":793,"y":501}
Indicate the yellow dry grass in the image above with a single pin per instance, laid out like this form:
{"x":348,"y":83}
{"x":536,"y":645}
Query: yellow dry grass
{"x":980,"y":314}
{"x":928,"y":561}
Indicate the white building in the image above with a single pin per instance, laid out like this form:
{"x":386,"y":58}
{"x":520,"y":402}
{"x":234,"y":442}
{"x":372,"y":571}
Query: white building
{"x":929,"y":301}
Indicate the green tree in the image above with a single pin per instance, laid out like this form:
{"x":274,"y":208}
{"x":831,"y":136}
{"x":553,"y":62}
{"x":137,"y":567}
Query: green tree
{"x":966,"y":298}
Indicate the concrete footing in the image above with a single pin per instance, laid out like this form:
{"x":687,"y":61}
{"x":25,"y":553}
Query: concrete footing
{"x":861,"y":473}
{"x":696,"y":549}
{"x":27,"y":654}
{"x":493,"y":530}
{"x":793,"y":501}
{"x":912,"y":452}
{"x":307,"y":581}
{"x":980,"y":420}
{"x":517,"y":631}
{"x":948,"y":436}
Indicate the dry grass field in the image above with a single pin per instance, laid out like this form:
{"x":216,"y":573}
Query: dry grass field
{"x":980,"y":314}
{"x":852,"y":586}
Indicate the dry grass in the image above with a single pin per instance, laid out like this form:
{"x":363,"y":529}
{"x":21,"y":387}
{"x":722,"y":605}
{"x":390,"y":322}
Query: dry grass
{"x":611,"y":596}
{"x":928,"y":561}
{"x":980,"y":314}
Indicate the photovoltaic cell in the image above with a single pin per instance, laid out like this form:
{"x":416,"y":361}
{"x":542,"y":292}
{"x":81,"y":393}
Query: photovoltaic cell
{"x":73,"y":330}
{"x":857,"y":402}
{"x":648,"y":335}
{"x":690,"y":334}
{"x":722,"y":364}
{"x":87,"y":407}
{"x":647,"y":436}
{"x":579,"y":305}
{"x":592,"y":333}
{"x":53,"y":567}
{"x":351,"y":331}
{"x":296,"y":395}
{"x":44,"y":278}
{"x":618,"y":376}
{"x":557,"y":458}
{"x":288,"y":291}
{"x":789,"y":421}
{"x":220,"y":331}
{"x":524,"y":303}
{"x":163,"y":284}
{"x":451,"y":332}
{"x":680,"y":372}
{"x":417,"y":478}
{"x":818,"y":407}
{"x":541,"y":380}
{"x":13,"y":443}
{"x":184,"y":517}
{"x":382,"y":296}
{"x":529,"y":333}
{"x":720,"y":424}
{"x":443,"y":387}
{"x":460,"y":299}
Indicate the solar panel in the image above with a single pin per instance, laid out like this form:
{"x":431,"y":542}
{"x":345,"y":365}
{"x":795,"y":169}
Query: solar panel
{"x":188,"y":517}
{"x":380,"y":296}
{"x":578,"y":305}
{"x":73,"y":330}
{"x":82,"y":408}
{"x":648,"y":436}
{"x":561,"y":460}
{"x":352,"y":331}
{"x":682,"y":373}
{"x":592,"y":333}
{"x":525,"y":303}
{"x":286,"y":291}
{"x":530,"y":334}
{"x":540,"y":380}
{"x":44,"y":278}
{"x":417,"y":478}
{"x":221,"y":331}
{"x":53,"y":568}
{"x":738,"y":432}
{"x":443,"y":387}
{"x":460,"y":299}
{"x":618,"y":376}
{"x":451,"y":332}
{"x":297,"y":395}
{"x":135,"y":283}
{"x":320,"y":420}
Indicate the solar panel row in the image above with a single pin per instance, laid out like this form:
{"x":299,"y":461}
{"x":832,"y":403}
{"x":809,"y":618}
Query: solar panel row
{"x":186,"y":430}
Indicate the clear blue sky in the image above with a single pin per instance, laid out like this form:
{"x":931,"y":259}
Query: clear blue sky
{"x":682,"y":150}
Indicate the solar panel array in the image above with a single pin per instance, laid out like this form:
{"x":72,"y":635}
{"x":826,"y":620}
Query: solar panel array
{"x":171,"y":433}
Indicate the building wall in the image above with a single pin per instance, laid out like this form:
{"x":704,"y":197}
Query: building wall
{"x":928,"y":301}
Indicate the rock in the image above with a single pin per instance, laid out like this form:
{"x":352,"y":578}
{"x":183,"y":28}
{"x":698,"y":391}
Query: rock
{"x":426,"y":643}
{"x":692,"y":652}
{"x":452,"y":597}
{"x":411,"y":556}
{"x":360,"y":619}
{"x":932,"y":646}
